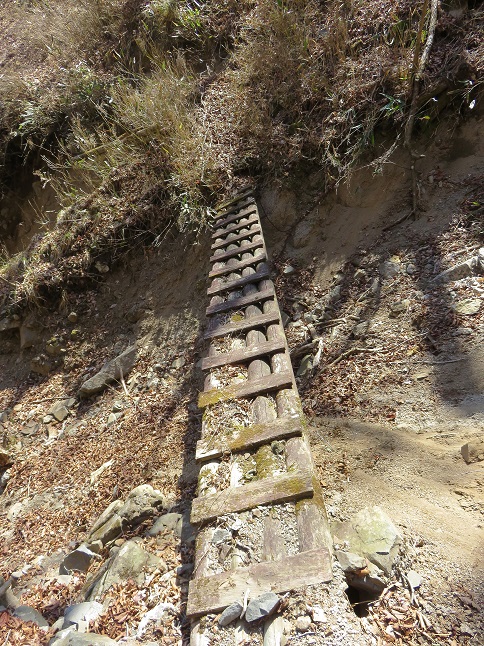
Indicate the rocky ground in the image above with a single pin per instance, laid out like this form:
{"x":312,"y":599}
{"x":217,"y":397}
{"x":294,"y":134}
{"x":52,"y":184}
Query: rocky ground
{"x":385,"y":329}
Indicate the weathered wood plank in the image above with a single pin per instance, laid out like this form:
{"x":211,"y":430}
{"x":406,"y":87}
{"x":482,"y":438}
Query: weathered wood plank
{"x":260,"y":257}
{"x":273,"y":548}
{"x":235,"y":199}
{"x":242,"y":301}
{"x":239,"y":326}
{"x":214,"y":593}
{"x":219,"y":233}
{"x":242,"y":355}
{"x":279,"y":489}
{"x":244,"y":212}
{"x":244,"y":248}
{"x":239,"y":282}
{"x":249,"y":437}
{"x":245,"y":389}
{"x":242,"y":236}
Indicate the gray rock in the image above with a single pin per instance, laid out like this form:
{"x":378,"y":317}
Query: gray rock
{"x":26,"y":613}
{"x":286,"y":319}
{"x":288,"y":270}
{"x":118,"y":406}
{"x":411,"y":269}
{"x":262,"y":606}
{"x":9,"y":324}
{"x":111,"y":371}
{"x":82,"y":612}
{"x":335,"y":293}
{"x":414,"y":579}
{"x":230,"y":614}
{"x":60,"y":413}
{"x":361,"y":330}
{"x":399,"y":307}
{"x":130,"y":562}
{"x":221,"y":536}
{"x":113,"y":418}
{"x":6,"y":458}
{"x":473,"y":451}
{"x":142,"y":503}
{"x":468,"y":306}
{"x":73,"y":638}
{"x":41,"y":365}
{"x":72,"y":317}
{"x":350,"y":562}
{"x":470,"y":267}
{"x":371,"y":580}
{"x":178,"y":363}
{"x":372,"y":534}
{"x":29,"y":333}
{"x":389,"y":269}
{"x":303,"y":623}
{"x":167,"y":521}
{"x":302,"y":234}
{"x":78,"y":560}
{"x":305,"y":366}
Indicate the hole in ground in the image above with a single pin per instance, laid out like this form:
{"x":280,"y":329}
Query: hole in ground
{"x":360,"y":600}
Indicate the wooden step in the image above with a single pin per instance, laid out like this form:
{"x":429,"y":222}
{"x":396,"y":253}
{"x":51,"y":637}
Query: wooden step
{"x":211,"y":594}
{"x":249,"y":437}
{"x":235,"y":227}
{"x":242,"y":301}
{"x":237,"y":252}
{"x":245,"y":324}
{"x":234,"y":200}
{"x":239,"y":282}
{"x":243,"y":213}
{"x":278,"y":489}
{"x":242,"y":236}
{"x":243,"y":355}
{"x":247,"y":388}
{"x":241,"y":264}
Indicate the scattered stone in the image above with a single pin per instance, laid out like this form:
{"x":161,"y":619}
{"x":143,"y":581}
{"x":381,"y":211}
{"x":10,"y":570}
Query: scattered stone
{"x":372,"y":534}
{"x":262,"y":606}
{"x":101,"y":267}
{"x":360,"y":274}
{"x":335,"y":293}
{"x":9,"y":324}
{"x":72,"y":317}
{"x":26,"y":613}
{"x":399,"y":307}
{"x":73,"y":638}
{"x":41,"y":365}
{"x":465,"y":269}
{"x":78,"y":560}
{"x":303,"y":623}
{"x":60,"y":412}
{"x":468,"y":306}
{"x":167,"y":521}
{"x":411,"y":269}
{"x":113,"y":418}
{"x":47,"y":419}
{"x":361,"y":330}
{"x":221,"y":536}
{"x":414,"y":579}
{"x":473,"y":451}
{"x":82,"y":612}
{"x":6,"y":458}
{"x":29,"y":331}
{"x":318,"y":615}
{"x":111,"y":371}
{"x":160,"y":611}
{"x":178,"y":363}
{"x":230,"y":614}
{"x":131,"y":561}
{"x":286,"y":319}
{"x":302,"y":234}
{"x":350,"y":562}
{"x":95,"y":475}
{"x":389,"y":269}
{"x":278,"y":447}
{"x":305,"y":366}
{"x":288,"y":270}
{"x":117,"y":407}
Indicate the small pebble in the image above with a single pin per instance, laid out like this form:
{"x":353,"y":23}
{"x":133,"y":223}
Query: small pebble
{"x":303,"y":623}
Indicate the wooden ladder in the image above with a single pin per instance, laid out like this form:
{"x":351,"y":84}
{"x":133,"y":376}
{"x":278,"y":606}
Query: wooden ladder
{"x":243,"y":307}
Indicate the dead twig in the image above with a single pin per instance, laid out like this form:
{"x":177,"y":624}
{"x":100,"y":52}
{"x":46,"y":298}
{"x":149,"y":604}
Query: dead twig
{"x":348,"y":353}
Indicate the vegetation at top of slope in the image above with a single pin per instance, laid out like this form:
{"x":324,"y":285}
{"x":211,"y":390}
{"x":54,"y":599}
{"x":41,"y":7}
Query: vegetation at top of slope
{"x":142,"y":112}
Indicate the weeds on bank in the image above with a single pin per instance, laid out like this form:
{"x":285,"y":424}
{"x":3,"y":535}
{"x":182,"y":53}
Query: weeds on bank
{"x":148,"y":109}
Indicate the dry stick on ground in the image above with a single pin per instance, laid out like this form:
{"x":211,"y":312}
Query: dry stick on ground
{"x":415,"y":78}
